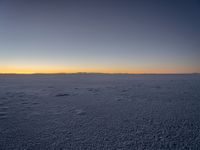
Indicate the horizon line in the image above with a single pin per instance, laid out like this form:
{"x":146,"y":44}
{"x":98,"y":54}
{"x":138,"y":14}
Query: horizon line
{"x":63,"y":73}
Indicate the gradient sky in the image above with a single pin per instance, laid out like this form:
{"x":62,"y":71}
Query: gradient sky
{"x":125,"y":36}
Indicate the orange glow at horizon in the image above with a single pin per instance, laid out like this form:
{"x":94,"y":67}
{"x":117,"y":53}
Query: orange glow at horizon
{"x":54,"y":70}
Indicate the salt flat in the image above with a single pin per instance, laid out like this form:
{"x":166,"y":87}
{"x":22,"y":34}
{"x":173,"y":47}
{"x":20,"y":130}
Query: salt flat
{"x":97,"y":111}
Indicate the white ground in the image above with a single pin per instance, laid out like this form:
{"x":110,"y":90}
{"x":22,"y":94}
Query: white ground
{"x":99,"y":112}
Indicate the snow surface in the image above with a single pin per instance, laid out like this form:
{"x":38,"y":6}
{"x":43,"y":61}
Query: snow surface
{"x":88,"y":111}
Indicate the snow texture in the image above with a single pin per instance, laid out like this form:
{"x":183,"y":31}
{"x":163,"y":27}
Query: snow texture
{"x":91,"y":111}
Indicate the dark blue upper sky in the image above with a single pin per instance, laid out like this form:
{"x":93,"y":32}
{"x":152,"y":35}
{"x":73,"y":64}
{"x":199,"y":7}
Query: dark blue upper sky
{"x":100,"y":36}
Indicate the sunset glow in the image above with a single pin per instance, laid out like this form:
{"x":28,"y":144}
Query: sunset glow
{"x":50,"y":70}
{"x":99,"y":36}
{"x":99,"y":74}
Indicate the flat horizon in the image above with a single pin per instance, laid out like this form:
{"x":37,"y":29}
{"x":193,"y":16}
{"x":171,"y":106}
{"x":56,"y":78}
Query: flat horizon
{"x":147,"y":37}
{"x":99,"y":74}
{"x":104,"y":73}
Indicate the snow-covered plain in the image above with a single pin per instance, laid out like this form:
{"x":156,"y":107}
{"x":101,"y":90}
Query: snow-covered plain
{"x":88,"y":111}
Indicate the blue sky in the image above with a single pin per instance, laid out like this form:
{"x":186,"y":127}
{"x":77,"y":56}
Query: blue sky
{"x":99,"y":36}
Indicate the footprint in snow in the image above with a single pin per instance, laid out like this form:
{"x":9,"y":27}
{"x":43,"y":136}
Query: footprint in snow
{"x":119,"y":98}
{"x":80,"y":112}
{"x":3,"y":115}
{"x":62,"y":95}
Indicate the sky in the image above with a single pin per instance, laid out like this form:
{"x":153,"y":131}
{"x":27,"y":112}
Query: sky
{"x":107,"y":36}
